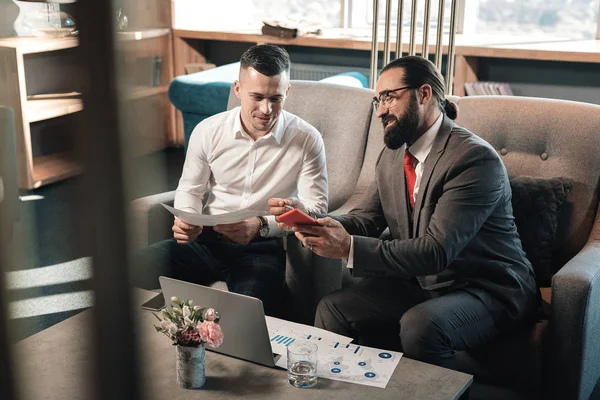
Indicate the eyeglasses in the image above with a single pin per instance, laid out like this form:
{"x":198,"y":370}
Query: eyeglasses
{"x":386,"y":99}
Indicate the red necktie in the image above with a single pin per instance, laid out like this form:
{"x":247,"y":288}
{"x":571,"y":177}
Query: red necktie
{"x":411,"y":176}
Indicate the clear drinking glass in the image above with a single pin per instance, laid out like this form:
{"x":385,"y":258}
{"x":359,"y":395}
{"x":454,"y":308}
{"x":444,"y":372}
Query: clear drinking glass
{"x":302,"y":364}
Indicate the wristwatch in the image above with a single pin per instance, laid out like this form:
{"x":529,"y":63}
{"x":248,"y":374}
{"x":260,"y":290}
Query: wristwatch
{"x":264,"y":227}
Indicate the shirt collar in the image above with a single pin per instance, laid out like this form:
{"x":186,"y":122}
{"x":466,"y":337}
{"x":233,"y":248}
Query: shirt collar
{"x":421,"y":148}
{"x":276,"y":132}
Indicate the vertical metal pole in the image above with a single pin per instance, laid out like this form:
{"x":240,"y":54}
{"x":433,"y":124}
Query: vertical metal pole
{"x":426,"y":19}
{"x":374,"y":45}
{"x":386,"y":40}
{"x":598,"y":27}
{"x":114,"y":350}
{"x":439,"y":42}
{"x":399,"y":28}
{"x":451,"y":47}
{"x":412,"y":46}
{"x":345,"y":14}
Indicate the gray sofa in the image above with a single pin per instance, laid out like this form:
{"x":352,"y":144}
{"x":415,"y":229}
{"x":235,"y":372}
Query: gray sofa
{"x":557,"y":358}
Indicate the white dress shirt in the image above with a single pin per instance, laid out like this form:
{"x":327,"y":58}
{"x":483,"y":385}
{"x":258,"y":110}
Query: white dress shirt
{"x":226,"y":170}
{"x":420,"y":149}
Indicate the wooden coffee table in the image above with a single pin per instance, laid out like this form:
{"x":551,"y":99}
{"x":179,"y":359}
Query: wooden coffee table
{"x":53,"y":365}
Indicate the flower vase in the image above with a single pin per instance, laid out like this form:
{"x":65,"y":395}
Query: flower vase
{"x":190,"y":366}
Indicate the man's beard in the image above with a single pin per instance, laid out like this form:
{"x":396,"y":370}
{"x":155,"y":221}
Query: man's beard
{"x":404,"y":128}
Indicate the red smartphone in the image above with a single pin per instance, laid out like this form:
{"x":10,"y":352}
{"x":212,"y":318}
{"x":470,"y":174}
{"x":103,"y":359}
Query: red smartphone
{"x":296,"y":217}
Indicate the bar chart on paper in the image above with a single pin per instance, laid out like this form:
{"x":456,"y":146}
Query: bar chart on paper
{"x":287,"y":340}
{"x":283,"y":333}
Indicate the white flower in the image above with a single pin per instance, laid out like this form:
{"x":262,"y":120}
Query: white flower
{"x":173,"y":328}
{"x":174,"y":300}
{"x":165,"y":313}
{"x":187,"y":321}
{"x":186,"y":311}
{"x":210,"y":314}
{"x":164,"y":324}
{"x":196,"y":308}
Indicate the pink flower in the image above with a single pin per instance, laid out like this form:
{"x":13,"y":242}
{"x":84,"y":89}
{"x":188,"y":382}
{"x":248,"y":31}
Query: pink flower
{"x":190,"y":337}
{"x":211,"y":333}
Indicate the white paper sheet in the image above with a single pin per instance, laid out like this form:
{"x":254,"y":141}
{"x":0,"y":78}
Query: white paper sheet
{"x":212,"y":220}
{"x":282,"y":333}
{"x":338,"y":359}
{"x":357,"y":364}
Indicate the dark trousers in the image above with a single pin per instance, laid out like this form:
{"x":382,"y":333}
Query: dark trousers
{"x":256,"y":269}
{"x":398,"y":314}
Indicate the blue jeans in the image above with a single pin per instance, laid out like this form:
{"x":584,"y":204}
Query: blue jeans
{"x":256,"y":269}
{"x":398,"y":314}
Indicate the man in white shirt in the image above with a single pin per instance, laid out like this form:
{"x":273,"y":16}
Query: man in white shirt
{"x":452,"y":274}
{"x":237,"y":160}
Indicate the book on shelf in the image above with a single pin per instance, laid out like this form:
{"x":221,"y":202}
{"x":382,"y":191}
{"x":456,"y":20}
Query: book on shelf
{"x":289,"y":29}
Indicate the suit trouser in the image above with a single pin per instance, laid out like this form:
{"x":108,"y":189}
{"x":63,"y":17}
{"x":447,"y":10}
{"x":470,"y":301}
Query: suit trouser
{"x":256,"y":269}
{"x":398,"y":314}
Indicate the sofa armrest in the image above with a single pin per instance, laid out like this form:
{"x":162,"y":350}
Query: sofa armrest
{"x":150,"y":221}
{"x":574,"y":349}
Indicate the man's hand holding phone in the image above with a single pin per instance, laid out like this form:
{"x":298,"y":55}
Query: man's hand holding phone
{"x":295,"y":217}
{"x":324,"y":236}
{"x":185,"y":233}
{"x":280,"y":206}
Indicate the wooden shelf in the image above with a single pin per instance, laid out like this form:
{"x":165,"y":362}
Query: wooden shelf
{"x":30,"y":45}
{"x":497,"y":46}
{"x":54,"y":167}
{"x":39,"y":110}
{"x":141,"y":34}
{"x":140,"y":92}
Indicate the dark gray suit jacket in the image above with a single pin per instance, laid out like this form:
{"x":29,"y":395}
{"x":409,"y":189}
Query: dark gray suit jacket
{"x":462,"y":234}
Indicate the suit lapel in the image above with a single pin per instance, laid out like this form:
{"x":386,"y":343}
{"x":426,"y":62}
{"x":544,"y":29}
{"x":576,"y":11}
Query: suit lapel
{"x":437,"y":149}
{"x":400,"y":198}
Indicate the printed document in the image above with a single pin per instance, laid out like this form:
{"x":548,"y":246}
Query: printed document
{"x":212,"y":220}
{"x":338,"y":358}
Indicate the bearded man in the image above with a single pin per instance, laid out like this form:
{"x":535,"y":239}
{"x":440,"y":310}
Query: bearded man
{"x":452,"y":274}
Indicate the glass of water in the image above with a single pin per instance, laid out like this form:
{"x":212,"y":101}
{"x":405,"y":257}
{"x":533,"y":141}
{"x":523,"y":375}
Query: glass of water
{"x":302,"y":364}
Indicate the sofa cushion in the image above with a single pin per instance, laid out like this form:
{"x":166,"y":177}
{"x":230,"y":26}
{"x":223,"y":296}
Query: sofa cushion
{"x":536,"y":207}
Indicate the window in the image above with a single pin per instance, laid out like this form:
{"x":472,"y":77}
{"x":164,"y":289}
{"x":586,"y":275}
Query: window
{"x":243,"y":14}
{"x":547,"y":19}
{"x":326,"y":13}
{"x":556,"y":19}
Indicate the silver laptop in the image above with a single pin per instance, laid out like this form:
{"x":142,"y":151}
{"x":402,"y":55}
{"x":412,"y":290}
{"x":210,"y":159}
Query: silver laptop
{"x":242,"y":319}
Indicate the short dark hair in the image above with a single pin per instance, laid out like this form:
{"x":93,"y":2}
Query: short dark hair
{"x":268,"y":59}
{"x":419,"y":71}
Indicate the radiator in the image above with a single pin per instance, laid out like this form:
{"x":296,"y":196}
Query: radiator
{"x":316,"y":72}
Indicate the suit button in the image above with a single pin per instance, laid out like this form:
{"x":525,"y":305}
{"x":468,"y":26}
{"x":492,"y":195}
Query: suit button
{"x":503,"y":152}
{"x":544,"y":156}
